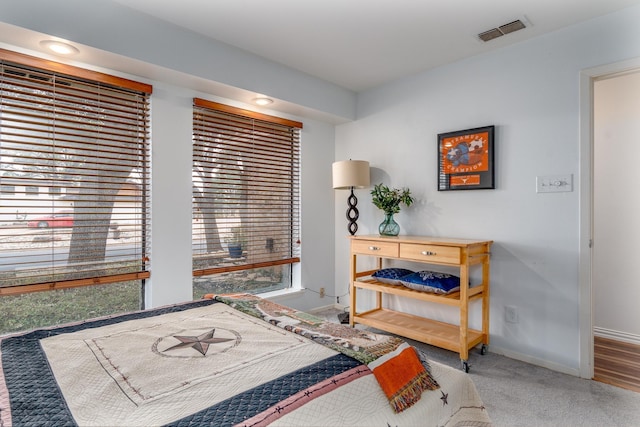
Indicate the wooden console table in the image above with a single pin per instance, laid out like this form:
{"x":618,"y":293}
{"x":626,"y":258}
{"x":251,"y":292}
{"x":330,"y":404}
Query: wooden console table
{"x":460,"y":253}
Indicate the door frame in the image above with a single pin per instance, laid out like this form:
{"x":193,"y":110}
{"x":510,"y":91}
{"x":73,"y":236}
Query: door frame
{"x":587,"y":78}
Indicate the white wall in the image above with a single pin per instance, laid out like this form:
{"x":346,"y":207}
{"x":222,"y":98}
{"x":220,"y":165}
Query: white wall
{"x":616,"y":289}
{"x":530,"y":92}
{"x":171,"y":201}
{"x":171,"y":218}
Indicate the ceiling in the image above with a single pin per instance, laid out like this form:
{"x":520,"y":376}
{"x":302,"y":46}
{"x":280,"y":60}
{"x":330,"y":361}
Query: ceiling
{"x":359,"y":44}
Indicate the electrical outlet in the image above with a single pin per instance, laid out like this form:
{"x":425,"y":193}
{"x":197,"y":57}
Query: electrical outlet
{"x":511,"y":314}
{"x":321,"y":292}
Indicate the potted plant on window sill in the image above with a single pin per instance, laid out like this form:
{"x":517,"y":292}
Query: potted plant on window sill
{"x":236,"y":242}
{"x":389,"y":200}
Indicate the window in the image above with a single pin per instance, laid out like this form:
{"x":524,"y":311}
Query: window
{"x":83,"y":136}
{"x":246,"y":199}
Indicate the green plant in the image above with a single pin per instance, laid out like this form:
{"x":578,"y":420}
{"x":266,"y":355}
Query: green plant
{"x":389,"y":200}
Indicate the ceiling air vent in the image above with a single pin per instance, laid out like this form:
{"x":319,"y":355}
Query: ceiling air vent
{"x":501,"y":30}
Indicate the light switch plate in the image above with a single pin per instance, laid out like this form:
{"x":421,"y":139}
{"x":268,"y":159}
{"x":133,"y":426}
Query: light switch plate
{"x":554,"y":183}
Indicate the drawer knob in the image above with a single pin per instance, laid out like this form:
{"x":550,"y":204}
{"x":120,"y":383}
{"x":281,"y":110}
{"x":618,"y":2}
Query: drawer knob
{"x":374,"y":248}
{"x":428,"y":253}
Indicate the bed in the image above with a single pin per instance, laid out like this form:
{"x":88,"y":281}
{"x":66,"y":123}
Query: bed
{"x":226,"y":360}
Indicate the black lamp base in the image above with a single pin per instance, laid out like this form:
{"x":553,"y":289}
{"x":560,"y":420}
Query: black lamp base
{"x":352,"y":213}
{"x":343,"y":317}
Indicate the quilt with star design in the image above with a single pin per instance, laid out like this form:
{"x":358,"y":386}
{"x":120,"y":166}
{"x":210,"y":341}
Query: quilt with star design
{"x":207,"y":363}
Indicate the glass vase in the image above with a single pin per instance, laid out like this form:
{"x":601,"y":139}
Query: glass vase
{"x":389,"y":227}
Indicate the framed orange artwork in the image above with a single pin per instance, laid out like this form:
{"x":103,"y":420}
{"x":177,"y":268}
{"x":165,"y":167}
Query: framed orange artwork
{"x":465,"y":159}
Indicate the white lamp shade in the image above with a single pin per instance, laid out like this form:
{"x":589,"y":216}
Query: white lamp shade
{"x":351,"y":173}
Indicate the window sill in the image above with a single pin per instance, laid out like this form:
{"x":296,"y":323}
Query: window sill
{"x":283,"y":294}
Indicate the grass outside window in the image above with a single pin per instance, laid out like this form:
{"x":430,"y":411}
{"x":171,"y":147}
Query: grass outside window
{"x":42,"y":309}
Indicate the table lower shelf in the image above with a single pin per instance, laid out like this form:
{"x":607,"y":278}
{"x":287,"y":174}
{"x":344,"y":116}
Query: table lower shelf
{"x":433,"y":332}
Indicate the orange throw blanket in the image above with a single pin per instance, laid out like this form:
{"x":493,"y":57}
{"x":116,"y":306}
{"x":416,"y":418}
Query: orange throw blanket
{"x":402,"y":377}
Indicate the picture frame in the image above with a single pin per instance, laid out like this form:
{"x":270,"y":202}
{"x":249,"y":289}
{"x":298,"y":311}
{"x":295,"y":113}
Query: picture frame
{"x":466,"y":159}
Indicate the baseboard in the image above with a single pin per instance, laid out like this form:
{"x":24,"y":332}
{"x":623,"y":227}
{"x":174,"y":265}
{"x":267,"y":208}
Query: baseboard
{"x":535,"y":361}
{"x":616,"y":335}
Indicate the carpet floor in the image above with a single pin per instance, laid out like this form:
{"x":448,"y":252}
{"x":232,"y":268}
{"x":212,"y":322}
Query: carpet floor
{"x":516,"y":393}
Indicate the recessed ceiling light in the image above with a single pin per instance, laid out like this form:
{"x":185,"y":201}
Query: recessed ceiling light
{"x":263,"y":101}
{"x":61,"y":48}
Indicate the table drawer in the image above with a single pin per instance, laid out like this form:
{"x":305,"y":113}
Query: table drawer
{"x":374,"y":247}
{"x":430,"y":253}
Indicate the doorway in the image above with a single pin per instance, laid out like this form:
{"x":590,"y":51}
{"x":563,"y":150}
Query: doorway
{"x":610,"y":203}
{"x":616,"y":229}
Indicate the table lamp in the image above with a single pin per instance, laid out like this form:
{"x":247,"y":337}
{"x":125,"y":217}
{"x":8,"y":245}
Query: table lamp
{"x":351,"y":174}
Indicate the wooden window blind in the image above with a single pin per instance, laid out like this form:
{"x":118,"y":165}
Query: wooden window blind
{"x":74,"y":149}
{"x":246,"y":189}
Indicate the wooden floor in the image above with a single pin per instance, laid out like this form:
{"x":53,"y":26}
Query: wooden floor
{"x":617,"y":363}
